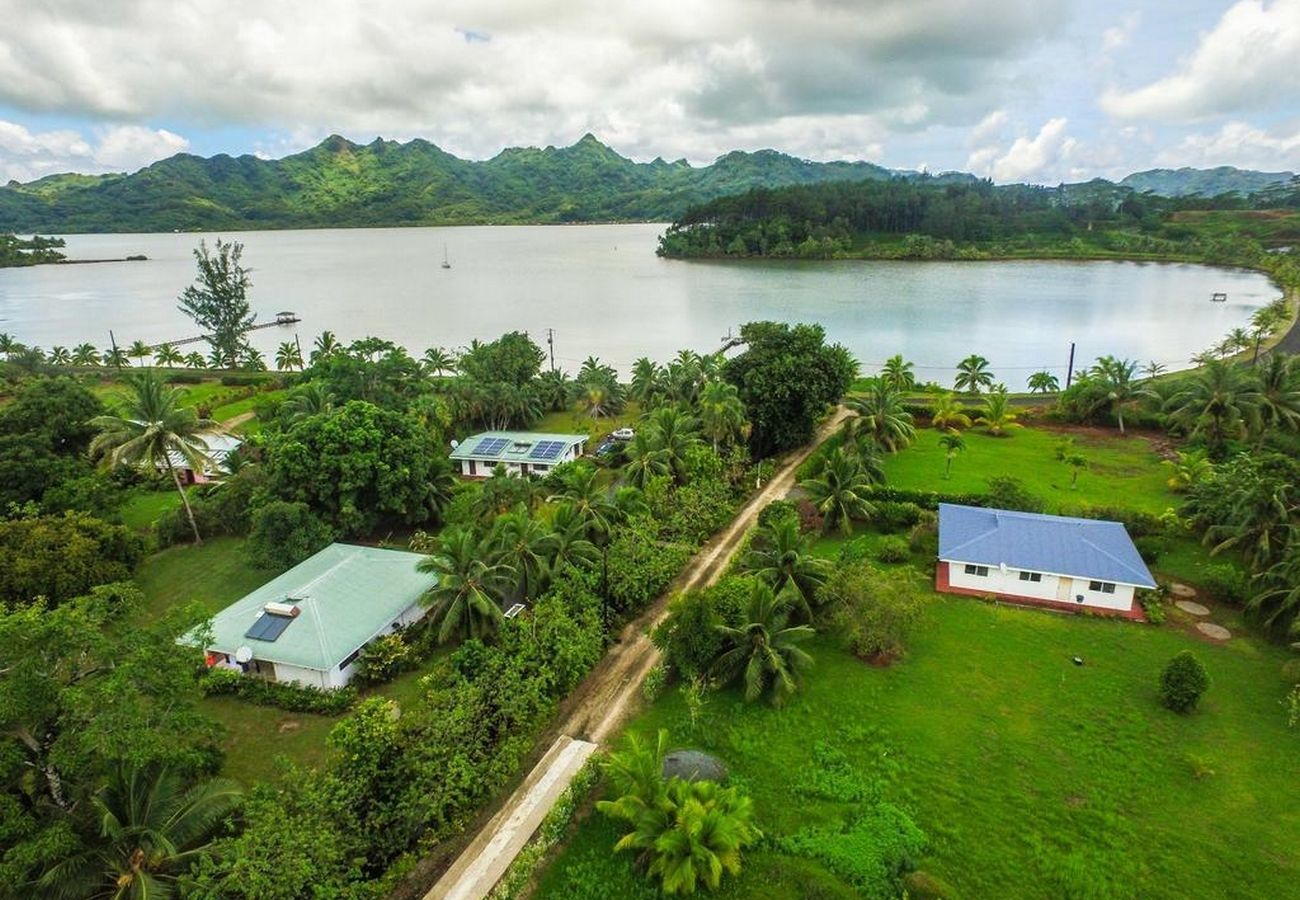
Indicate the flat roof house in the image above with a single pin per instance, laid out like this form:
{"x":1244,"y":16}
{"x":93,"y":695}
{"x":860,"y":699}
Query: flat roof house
{"x":1052,"y":561}
{"x":219,"y":447}
{"x":521,"y":452}
{"x":309,"y":625}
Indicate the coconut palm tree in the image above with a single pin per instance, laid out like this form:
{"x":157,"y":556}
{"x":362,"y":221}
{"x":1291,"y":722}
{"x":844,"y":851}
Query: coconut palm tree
{"x":9,"y":345}
{"x":152,"y":829}
{"x":325,"y":345}
{"x":85,"y":355}
{"x":466,"y":601}
{"x":288,"y":356}
{"x":195,"y":360}
{"x":675,"y":433}
{"x":648,"y":386}
{"x":781,"y":555}
{"x":1114,"y":379}
{"x":216,"y":361}
{"x":973,"y":374}
{"x":722,"y":414}
{"x":1279,"y":393}
{"x":1218,"y":402}
{"x":117,"y":358}
{"x":646,"y":459}
{"x":154,"y":432}
{"x":897,"y":373}
{"x":580,"y":488}
{"x":997,"y":415}
{"x":764,"y":650}
{"x":1278,"y":596}
{"x":1258,"y":524}
{"x":1043,"y":383}
{"x":168,"y":356}
{"x":251,"y":359}
{"x":1077,"y":463}
{"x":139,"y":350}
{"x":881,"y":417}
{"x":949,"y":413}
{"x":555,"y":389}
{"x":1152,"y":369}
{"x":569,"y":544}
{"x":438,"y":361}
{"x":840,"y":491}
{"x":310,"y":399}
{"x":952,"y":443}
{"x":59,"y":356}
{"x":525,"y":545}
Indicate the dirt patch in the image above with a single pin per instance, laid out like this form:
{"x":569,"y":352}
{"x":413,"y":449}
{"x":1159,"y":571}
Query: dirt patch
{"x":288,"y":726}
{"x":882,"y":660}
{"x":1074,"y":801}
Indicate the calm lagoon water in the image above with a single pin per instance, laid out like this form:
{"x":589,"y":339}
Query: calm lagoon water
{"x":605,"y":293}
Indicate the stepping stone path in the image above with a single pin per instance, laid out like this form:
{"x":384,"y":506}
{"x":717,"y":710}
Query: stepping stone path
{"x":1182,"y":590}
{"x":1212,"y":631}
{"x":1192,"y":608}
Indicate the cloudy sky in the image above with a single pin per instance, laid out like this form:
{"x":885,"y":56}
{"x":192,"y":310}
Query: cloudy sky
{"x":1035,"y":90}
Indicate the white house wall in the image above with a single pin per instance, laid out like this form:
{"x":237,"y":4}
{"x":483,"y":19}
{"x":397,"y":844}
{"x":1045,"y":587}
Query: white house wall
{"x":304,"y":676}
{"x":1057,"y":588}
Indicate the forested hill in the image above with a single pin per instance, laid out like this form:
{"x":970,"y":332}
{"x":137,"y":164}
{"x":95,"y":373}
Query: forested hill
{"x":920,"y":219}
{"x":339,"y":183}
{"x":1205,"y":182}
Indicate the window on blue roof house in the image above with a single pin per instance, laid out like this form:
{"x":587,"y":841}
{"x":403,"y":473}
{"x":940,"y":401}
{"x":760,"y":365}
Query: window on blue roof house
{"x":1031,"y":576}
{"x":1104,"y":587}
{"x":981,"y":571}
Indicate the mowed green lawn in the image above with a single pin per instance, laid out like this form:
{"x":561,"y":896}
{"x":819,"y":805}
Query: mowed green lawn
{"x":1031,"y":776}
{"x":1122,"y":472}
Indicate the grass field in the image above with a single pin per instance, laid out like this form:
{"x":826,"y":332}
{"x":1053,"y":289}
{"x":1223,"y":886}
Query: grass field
{"x":144,"y":507}
{"x":1122,"y":472}
{"x":1032,"y":777}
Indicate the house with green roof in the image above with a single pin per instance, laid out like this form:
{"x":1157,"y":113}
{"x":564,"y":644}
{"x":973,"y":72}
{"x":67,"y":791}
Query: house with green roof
{"x":309,"y":625}
{"x":521,"y":452}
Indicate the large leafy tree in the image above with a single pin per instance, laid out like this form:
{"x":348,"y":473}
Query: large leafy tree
{"x":782,"y":556}
{"x":153,"y":826}
{"x":840,"y":492}
{"x":763,"y":651}
{"x":60,"y":557}
{"x":153,"y":431}
{"x":466,"y":601}
{"x":513,"y":358}
{"x":787,"y":377}
{"x":357,"y":466}
{"x":881,"y":417}
{"x":218,"y":299}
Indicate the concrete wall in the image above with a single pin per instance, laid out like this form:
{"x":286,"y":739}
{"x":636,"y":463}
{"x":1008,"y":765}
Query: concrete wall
{"x":1052,"y":588}
{"x":301,"y":675}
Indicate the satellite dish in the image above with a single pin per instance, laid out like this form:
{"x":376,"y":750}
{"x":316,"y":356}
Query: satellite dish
{"x":455,"y":444}
{"x":244,"y":654}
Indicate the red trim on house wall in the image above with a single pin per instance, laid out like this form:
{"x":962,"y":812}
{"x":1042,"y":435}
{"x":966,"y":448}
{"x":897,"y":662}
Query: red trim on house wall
{"x":943,"y":585}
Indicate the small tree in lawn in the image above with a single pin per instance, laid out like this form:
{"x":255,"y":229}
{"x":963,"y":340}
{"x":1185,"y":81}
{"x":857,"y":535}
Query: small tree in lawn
{"x":218,"y":300}
{"x":952,"y":444}
{"x":1077,"y":463}
{"x":1183,"y":682}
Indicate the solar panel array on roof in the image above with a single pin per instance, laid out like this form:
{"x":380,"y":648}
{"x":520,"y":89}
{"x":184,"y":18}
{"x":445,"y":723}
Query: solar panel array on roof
{"x":491,"y":446}
{"x":547,"y":450}
{"x":268,"y":627}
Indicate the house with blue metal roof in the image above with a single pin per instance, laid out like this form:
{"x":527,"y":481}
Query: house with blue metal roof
{"x":521,"y":452}
{"x":1054,"y":561}
{"x":310,"y":624}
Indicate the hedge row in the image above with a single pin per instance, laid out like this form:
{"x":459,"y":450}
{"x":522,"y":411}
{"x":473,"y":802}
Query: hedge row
{"x":281,"y":695}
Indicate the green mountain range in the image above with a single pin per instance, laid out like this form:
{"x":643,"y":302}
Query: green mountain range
{"x":1204,"y":182}
{"x":339,"y":183}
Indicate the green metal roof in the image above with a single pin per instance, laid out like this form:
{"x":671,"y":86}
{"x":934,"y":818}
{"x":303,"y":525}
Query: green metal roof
{"x":518,"y":447}
{"x":345,"y":595}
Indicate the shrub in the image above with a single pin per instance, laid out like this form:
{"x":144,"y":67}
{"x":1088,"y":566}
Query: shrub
{"x":1183,"y":682}
{"x":874,"y":611}
{"x":777,"y":511}
{"x":284,"y":534}
{"x":1223,"y":582}
{"x":60,"y":557}
{"x":1153,"y":603}
{"x":384,"y":658}
{"x":1150,"y":547}
{"x":897,"y":515}
{"x":184,"y":378}
{"x":653,"y":686}
{"x":924,"y":539}
{"x":856,"y":550}
{"x":893,"y":549}
{"x":873,"y":852}
{"x":1006,"y":492}
{"x":279,"y":694}
{"x":926,"y":499}
{"x":244,"y":379}
{"x":688,"y":636}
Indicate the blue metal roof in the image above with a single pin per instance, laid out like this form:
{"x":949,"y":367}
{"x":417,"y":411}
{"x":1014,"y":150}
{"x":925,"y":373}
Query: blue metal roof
{"x":1058,"y":545}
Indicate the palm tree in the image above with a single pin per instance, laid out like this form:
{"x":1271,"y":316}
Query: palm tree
{"x":310,"y":399}
{"x":898,"y":374}
{"x":595,"y":400}
{"x":555,"y":389}
{"x":1152,"y":369}
{"x":326,"y":344}
{"x":524,"y":545}
{"x":973,"y":374}
{"x":581,"y":489}
{"x":722,"y":414}
{"x":1279,"y":392}
{"x":1220,"y":402}
{"x":59,"y":356}
{"x":949,"y":413}
{"x":288,"y":356}
{"x":569,"y":543}
{"x":781,"y":555}
{"x":215,"y":360}
{"x":154,"y":431}
{"x":195,"y":360}
{"x":251,"y":359}
{"x":438,"y":361}
{"x":645,"y":460}
{"x":152,"y":830}
{"x":9,"y":345}
{"x":116,"y":357}
{"x":139,"y":350}
{"x":952,"y":443}
{"x":1115,"y":379}
{"x":1191,"y":467}
{"x":1258,"y":524}
{"x":674,"y":433}
{"x":466,"y":600}
{"x":1279,"y":595}
{"x":764,"y":650}
{"x":997,"y":416}
{"x":881,"y":417}
{"x":647,"y":383}
{"x":1077,"y":463}
{"x":168,"y":356}
{"x":840,"y":492}
{"x":85,"y":355}
{"x":1043,"y":383}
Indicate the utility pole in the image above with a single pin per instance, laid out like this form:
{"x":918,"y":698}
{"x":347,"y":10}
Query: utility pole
{"x":1069,"y":372}
{"x":550,"y":342}
{"x":299,"y":343}
{"x":113,"y":343}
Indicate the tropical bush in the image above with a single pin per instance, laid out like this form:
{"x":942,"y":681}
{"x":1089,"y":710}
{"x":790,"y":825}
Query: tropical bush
{"x":59,"y":557}
{"x":893,"y":549}
{"x":283,"y":534}
{"x":1183,"y":681}
{"x":874,"y":611}
{"x":279,"y":694}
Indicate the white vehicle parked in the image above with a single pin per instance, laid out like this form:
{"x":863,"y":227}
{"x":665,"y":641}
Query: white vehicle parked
{"x":623,"y":434}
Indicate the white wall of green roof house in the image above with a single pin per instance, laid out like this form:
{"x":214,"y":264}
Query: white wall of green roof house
{"x":341,"y":599}
{"x":520,"y":452}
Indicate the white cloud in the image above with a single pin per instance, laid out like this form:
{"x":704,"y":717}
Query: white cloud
{"x":26,"y":155}
{"x":1246,"y":62}
{"x":1118,"y":36}
{"x":1043,"y":157}
{"x":678,"y":77}
{"x":1237,"y":144}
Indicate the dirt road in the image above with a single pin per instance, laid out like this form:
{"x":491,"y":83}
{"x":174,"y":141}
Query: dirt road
{"x":609,"y":694}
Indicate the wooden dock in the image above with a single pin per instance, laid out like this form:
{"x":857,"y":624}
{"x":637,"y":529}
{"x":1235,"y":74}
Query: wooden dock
{"x":281,"y":319}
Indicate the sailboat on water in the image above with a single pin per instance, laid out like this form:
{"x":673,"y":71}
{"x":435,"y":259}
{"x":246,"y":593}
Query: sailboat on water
{"x":446,"y":263}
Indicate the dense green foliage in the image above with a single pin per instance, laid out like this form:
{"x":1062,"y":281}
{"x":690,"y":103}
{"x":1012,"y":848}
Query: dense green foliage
{"x":16,"y":251}
{"x":60,"y":557}
{"x":284,"y":534}
{"x":218,"y":302}
{"x":1183,"y":681}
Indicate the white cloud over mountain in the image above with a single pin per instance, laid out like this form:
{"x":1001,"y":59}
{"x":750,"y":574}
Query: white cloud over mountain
{"x":26,"y":155}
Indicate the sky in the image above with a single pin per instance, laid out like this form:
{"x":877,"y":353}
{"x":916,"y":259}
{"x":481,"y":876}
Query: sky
{"x":1016,"y":90}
